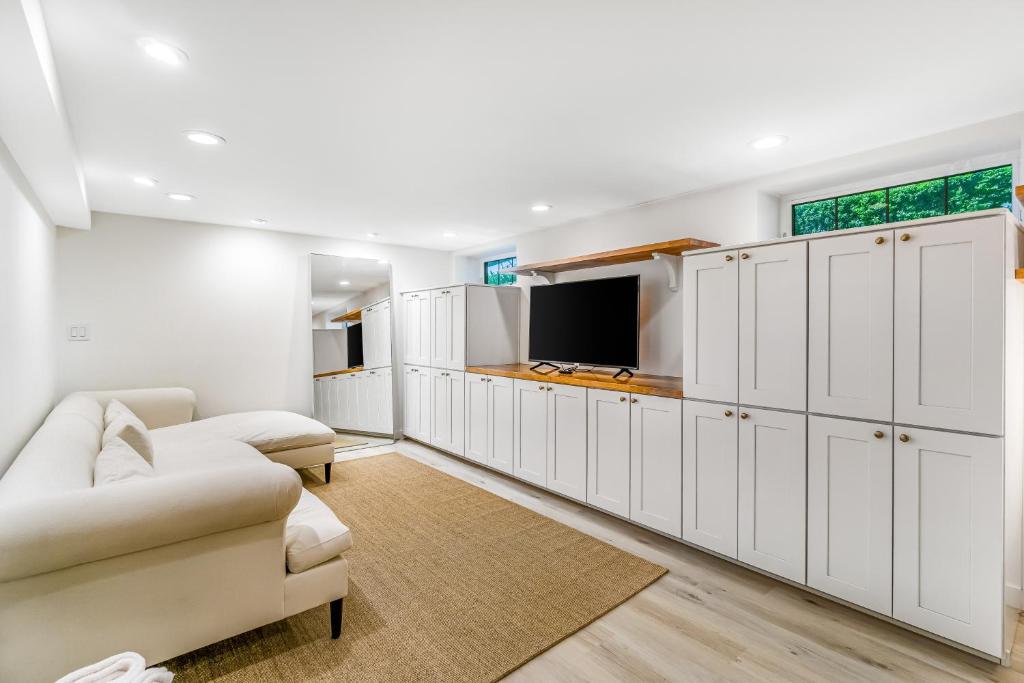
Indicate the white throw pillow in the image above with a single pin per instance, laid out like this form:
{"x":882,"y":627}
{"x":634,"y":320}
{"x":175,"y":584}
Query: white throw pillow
{"x":121,"y":422}
{"x":119,"y":462}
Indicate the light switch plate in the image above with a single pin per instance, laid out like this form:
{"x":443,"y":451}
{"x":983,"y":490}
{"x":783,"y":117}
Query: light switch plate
{"x":78,"y":332}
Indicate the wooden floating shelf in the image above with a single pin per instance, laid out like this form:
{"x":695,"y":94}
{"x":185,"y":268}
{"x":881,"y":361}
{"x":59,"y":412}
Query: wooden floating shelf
{"x":1019,"y":274}
{"x":644,"y":252}
{"x":338,"y":372}
{"x":1020,"y":193}
{"x":350,"y":317}
{"x":651,"y":385}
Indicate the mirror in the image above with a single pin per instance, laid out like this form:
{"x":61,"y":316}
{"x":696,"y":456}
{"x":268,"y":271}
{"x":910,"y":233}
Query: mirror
{"x":353,"y":381}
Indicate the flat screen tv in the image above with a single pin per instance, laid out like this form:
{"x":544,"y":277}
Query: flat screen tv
{"x":355,"y":345}
{"x":591,"y":322}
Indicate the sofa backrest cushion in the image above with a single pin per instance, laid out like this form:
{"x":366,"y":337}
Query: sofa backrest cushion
{"x":60,"y":456}
{"x":119,"y":462}
{"x":121,"y":423}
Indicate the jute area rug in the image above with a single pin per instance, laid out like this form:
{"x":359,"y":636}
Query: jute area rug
{"x":448,"y":583}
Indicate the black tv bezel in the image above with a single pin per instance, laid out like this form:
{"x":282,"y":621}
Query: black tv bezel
{"x":531,"y":359}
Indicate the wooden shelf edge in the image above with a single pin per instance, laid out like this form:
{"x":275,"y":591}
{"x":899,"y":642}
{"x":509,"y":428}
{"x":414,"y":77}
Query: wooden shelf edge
{"x":1020,"y":193}
{"x":351,"y":316}
{"x":643,"y":252}
{"x":1019,"y":274}
{"x":650,"y":385}
{"x":338,"y":372}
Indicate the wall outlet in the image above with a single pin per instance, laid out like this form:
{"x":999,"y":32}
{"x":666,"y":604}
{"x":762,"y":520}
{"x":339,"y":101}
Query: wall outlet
{"x":78,"y":333}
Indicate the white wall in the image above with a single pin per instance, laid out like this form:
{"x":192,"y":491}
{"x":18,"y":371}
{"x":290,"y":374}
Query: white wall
{"x":27,"y":371}
{"x":738,"y":213}
{"x":222,"y":310}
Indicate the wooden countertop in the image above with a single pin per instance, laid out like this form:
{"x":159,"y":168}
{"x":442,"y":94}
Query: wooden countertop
{"x":651,"y":385}
{"x":338,"y":372}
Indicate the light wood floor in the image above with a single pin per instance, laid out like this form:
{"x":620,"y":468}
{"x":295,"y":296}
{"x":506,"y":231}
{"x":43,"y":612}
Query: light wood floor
{"x":710,"y":620}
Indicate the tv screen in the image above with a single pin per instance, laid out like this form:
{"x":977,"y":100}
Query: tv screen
{"x":592,"y":322}
{"x":355,"y":345}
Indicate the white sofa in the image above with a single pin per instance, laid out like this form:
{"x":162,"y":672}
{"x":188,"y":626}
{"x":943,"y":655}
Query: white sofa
{"x":220,"y":540}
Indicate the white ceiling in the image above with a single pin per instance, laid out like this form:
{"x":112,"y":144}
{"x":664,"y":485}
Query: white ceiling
{"x":410,"y":119}
{"x":327,"y":272}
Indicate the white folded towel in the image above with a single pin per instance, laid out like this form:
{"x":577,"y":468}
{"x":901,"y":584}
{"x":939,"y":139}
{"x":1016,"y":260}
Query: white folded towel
{"x":127,"y":667}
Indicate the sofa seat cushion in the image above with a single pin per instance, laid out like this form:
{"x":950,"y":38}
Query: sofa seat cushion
{"x":313,"y":535}
{"x":265,"y":430}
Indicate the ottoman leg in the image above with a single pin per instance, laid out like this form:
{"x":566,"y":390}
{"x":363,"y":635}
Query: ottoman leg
{"x":336,"y":618}
{"x":327,"y":472}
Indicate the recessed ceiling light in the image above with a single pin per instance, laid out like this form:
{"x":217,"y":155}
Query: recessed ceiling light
{"x":344,"y":283}
{"x":145,"y":181}
{"x":540,"y":208}
{"x":448,"y":234}
{"x":371,"y":235}
{"x":258,"y":221}
{"x":769,"y":141}
{"x":202,"y":137}
{"x":163,"y":52}
{"x":179,"y":197}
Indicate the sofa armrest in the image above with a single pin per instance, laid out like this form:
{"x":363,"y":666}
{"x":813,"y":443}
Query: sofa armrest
{"x":155,"y":407}
{"x":85,"y":525}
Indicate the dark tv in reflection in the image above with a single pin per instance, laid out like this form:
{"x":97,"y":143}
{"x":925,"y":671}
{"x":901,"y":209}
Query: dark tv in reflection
{"x":590,"y":322}
{"x":355,"y":345}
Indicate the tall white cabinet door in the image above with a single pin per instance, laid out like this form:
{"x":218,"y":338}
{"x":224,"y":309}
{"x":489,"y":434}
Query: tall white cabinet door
{"x":710,"y":476}
{"x":849,"y":511}
{"x":455,"y":354}
{"x":850,"y":326}
{"x":382,"y":353}
{"x":948,"y":536}
{"x":500,"y":423}
{"x":530,"y":413}
{"x":388,"y":401}
{"x":457,"y":409}
{"x":416,"y":410}
{"x":711,"y":326}
{"x":440,"y":405}
{"x":567,"y":440}
{"x":335,"y":403}
{"x":359,"y":393}
{"x":656,"y":463}
{"x":608,"y":440}
{"x":417,"y":328}
{"x":438,"y":328}
{"x":346,"y":401}
{"x":318,"y":400}
{"x":949,"y":326}
{"x":773,"y":326}
{"x":772,"y":492}
{"x":476,"y":417}
{"x":368,"y":329}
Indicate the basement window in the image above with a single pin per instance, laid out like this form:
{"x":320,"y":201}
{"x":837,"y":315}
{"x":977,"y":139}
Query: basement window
{"x":988,"y":188}
{"x":499,"y":271}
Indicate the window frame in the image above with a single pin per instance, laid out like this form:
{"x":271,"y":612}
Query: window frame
{"x":498,"y":259}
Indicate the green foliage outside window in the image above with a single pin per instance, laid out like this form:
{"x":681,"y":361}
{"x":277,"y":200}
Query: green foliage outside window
{"x":988,"y":188}
{"x":499,"y":271}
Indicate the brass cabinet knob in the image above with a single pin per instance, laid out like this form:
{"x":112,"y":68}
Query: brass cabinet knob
{"x":879,"y":435}
{"x":744,"y":256}
{"x":634,"y":400}
{"x":904,"y":237}
{"x":879,"y":240}
{"x":728,"y":413}
{"x":728,"y":257}
{"x":743,"y":416}
{"x":622,"y":399}
{"x":904,"y":438}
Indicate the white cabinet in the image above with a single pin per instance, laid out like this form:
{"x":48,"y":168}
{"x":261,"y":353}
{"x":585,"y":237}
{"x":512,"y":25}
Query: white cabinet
{"x":773,"y":326}
{"x":656,"y":463}
{"x":530,"y":414}
{"x":948,"y":535}
{"x":357,"y":397}
{"x":416,"y":395}
{"x":448,"y":328}
{"x":447,"y":410}
{"x":710,"y":476}
{"x":379,"y":407}
{"x":608,"y":450}
{"x":850,"y":339}
{"x":416,"y":331}
{"x":376,"y":333}
{"x":849,"y":511}
{"x":710,"y":326}
{"x":949,"y":325}
{"x":772,"y":491}
{"x":567,"y":440}
{"x":500,"y":423}
{"x":476,"y":417}
{"x":319,"y":400}
{"x":345,"y":402}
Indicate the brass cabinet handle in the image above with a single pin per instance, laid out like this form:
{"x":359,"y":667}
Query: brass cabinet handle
{"x":743,"y":416}
{"x":728,"y":413}
{"x":879,"y":240}
{"x":621,"y":399}
{"x":904,"y":237}
{"x":744,"y":256}
{"x":904,"y":438}
{"x":728,"y":257}
{"x":879,"y":434}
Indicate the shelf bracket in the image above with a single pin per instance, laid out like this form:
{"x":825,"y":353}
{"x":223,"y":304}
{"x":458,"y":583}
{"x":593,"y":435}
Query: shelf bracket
{"x":671,"y":262}
{"x":548,"y":278}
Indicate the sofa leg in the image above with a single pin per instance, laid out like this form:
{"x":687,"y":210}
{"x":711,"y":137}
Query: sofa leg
{"x":327,"y":472}
{"x":336,"y":618}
